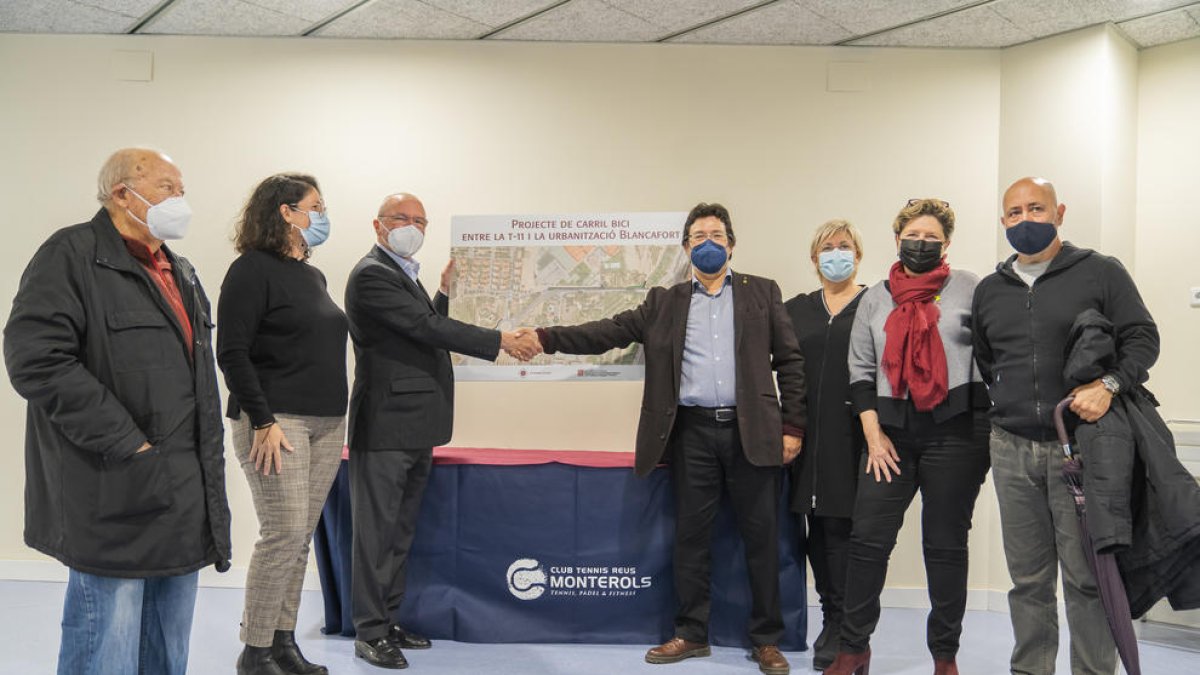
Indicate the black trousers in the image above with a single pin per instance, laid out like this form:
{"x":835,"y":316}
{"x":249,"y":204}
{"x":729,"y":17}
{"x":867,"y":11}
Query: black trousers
{"x":947,"y":462}
{"x":707,"y":459}
{"x":385,"y":499}
{"x":827,"y":546}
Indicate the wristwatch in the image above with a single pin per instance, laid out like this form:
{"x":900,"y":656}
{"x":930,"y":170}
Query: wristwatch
{"x":1111,"y":383}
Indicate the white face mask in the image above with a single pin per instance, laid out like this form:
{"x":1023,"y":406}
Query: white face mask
{"x":406,"y":241}
{"x":167,"y":219}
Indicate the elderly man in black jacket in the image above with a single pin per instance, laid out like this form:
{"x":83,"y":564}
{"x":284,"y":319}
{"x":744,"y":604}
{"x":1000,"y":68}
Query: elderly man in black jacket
{"x":1022,"y":316}
{"x":109,"y":341}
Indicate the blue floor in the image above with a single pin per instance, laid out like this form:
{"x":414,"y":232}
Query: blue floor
{"x":32,"y":610}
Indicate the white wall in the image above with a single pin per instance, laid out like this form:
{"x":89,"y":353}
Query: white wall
{"x":496,"y":128}
{"x":1168,"y":217}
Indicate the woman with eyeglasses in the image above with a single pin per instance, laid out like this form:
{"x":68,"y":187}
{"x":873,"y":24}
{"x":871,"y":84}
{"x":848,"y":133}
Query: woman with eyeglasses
{"x":281,"y":343}
{"x":825,"y":474}
{"x":922,"y":404}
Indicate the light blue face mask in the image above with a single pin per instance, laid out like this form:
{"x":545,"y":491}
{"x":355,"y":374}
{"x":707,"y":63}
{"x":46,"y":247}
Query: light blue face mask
{"x":836,"y":265}
{"x":318,"y":227}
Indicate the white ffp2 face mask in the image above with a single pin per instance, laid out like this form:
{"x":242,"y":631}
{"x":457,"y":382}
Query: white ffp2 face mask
{"x":406,"y":241}
{"x":166,"y":220}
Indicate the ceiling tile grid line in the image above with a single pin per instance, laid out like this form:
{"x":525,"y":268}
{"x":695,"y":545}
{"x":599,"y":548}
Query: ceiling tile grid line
{"x":522,"y":19}
{"x":923,"y":19}
{"x":717,"y":20}
{"x":332,"y":17}
{"x":149,"y":16}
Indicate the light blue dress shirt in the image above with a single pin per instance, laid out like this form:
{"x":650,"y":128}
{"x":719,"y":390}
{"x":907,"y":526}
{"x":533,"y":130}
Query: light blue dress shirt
{"x":411,"y":267}
{"x":709,"y":374}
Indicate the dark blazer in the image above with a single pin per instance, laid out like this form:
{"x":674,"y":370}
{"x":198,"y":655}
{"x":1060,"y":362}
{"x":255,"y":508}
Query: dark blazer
{"x":99,"y":354}
{"x":825,"y":475}
{"x":403,"y":394}
{"x":764,"y":341}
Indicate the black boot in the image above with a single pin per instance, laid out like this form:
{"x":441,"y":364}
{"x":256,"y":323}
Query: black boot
{"x":287,"y":655}
{"x":825,"y":647}
{"x":258,"y":661}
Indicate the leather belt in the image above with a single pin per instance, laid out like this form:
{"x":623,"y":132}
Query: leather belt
{"x":722,"y":415}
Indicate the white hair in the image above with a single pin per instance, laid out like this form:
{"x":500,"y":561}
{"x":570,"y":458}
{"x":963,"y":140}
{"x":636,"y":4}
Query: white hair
{"x":123,"y":165}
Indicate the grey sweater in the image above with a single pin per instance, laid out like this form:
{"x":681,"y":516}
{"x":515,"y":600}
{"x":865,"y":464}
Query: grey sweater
{"x":869,"y":386}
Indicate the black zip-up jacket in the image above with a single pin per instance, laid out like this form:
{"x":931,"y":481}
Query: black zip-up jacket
{"x":1020,"y":334}
{"x":825,"y":475}
{"x":100,"y":356}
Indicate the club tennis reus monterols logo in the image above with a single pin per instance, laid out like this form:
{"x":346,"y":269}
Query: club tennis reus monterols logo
{"x":526,"y":579}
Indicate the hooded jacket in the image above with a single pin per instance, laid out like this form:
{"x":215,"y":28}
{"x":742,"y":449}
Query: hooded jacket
{"x":1020,"y":334}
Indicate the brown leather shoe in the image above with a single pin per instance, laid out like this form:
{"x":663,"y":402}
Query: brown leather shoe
{"x":675,"y":650}
{"x":770,"y":660}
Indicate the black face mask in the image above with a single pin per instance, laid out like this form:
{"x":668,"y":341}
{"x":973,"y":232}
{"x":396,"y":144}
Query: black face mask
{"x":919,"y":255}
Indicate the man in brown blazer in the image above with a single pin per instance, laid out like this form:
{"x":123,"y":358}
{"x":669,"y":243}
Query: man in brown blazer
{"x":710,"y":410}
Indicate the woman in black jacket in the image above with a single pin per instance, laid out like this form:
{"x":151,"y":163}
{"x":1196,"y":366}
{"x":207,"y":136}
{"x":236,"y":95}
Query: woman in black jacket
{"x":281,"y":343}
{"x":825,"y":475}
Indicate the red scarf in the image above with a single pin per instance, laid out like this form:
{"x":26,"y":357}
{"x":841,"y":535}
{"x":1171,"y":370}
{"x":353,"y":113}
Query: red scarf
{"x":913,"y":355}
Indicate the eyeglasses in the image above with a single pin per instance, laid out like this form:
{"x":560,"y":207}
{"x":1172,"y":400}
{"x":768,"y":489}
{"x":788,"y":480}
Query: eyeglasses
{"x":296,"y":207}
{"x":914,"y":201}
{"x":697,"y":237}
{"x":405,"y":220}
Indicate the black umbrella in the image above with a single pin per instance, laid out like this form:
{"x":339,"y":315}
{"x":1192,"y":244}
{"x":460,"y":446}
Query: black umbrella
{"x":1104,"y":565}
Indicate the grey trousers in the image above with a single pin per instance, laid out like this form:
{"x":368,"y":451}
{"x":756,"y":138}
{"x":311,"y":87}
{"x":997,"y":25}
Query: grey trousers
{"x":288,"y":505}
{"x":386,"y":487}
{"x":1041,"y":532}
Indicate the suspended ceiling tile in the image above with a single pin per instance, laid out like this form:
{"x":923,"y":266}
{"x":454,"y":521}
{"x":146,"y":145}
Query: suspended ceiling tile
{"x":782,"y":23}
{"x":491,"y":13}
{"x":584,"y":21}
{"x":404,"y":19}
{"x":68,"y":16}
{"x":974,"y":27}
{"x":1124,"y":10}
{"x":1160,"y":29}
{"x":676,"y":15}
{"x":1040,"y":18}
{"x":242,"y":17}
{"x":867,"y":17}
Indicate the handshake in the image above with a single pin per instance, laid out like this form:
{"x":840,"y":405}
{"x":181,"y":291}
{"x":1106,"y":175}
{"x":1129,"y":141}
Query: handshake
{"x":521,"y":344}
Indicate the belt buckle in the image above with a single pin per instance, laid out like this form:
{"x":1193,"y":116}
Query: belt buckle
{"x":725,"y":414}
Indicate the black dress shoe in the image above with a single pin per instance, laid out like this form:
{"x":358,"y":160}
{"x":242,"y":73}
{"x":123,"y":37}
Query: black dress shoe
{"x":381,"y":652}
{"x":408,"y":640}
{"x":287,"y":654}
{"x":258,"y":661}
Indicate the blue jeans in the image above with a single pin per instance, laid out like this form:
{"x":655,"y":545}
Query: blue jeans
{"x":114,"y":626}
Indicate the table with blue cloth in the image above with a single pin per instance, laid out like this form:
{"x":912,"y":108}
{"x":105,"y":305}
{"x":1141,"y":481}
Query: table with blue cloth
{"x":553,"y":546}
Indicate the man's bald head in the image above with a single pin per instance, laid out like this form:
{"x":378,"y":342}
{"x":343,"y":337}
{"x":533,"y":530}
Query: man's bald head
{"x":399,"y":210}
{"x":1031,"y":198}
{"x":398,"y":199}
{"x":129,"y":165}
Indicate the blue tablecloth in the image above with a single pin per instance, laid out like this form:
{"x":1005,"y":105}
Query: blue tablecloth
{"x":553,"y":553}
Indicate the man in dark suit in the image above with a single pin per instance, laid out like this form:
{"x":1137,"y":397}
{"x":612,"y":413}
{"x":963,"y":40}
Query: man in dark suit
{"x":710,"y":409}
{"x":401,"y":406}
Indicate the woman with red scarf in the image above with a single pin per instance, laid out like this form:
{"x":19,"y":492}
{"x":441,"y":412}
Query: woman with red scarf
{"x":922,"y":404}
